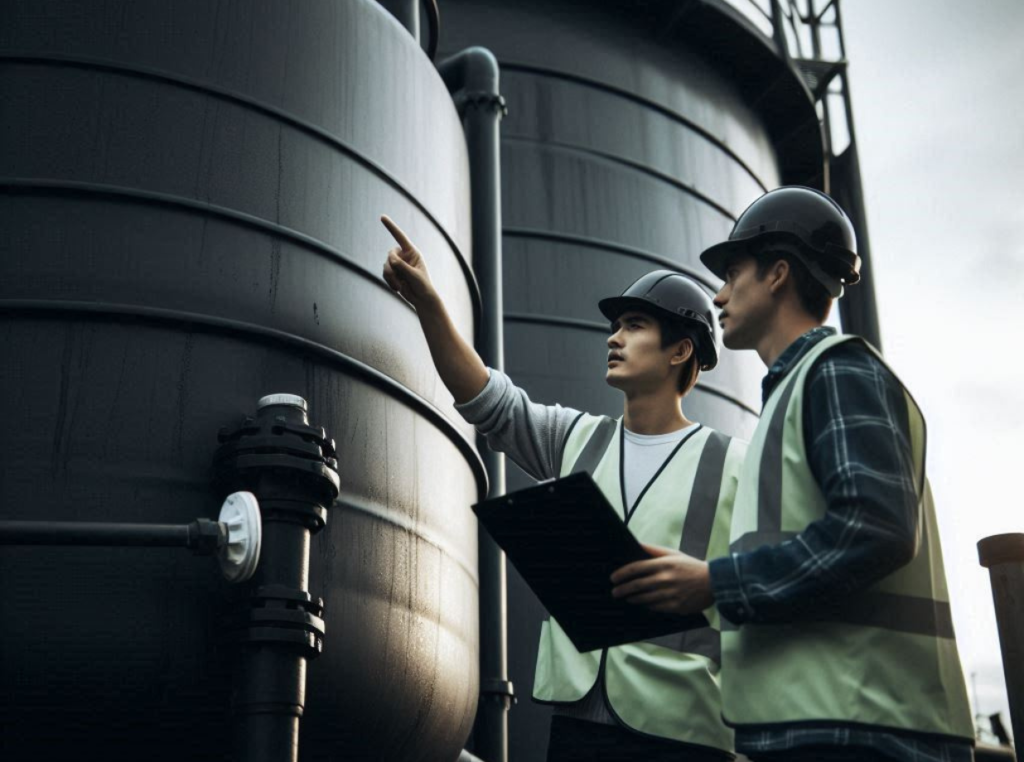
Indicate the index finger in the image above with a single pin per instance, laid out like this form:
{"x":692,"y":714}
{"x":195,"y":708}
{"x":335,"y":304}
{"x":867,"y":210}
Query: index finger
{"x":397,"y":233}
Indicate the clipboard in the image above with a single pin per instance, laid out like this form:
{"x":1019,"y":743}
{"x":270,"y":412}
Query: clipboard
{"x":565,"y":540}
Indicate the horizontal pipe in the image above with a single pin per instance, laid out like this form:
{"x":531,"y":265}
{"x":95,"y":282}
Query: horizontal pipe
{"x":96,"y":533}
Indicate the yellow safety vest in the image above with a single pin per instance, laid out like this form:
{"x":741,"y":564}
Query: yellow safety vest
{"x":884,"y":657}
{"x":665,"y":687}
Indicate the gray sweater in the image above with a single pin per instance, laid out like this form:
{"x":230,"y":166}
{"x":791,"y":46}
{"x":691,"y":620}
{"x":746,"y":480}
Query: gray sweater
{"x":532,"y":435}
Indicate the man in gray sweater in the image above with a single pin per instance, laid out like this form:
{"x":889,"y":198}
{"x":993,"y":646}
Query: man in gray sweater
{"x":671,"y":480}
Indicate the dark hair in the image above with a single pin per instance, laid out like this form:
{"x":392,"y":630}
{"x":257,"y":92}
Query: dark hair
{"x":672,"y":332}
{"x":814,"y":297}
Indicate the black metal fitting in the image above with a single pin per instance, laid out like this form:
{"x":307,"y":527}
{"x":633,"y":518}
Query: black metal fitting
{"x":206,"y":537}
{"x":300,"y":460}
{"x":480,"y":99}
{"x":291,"y":467}
{"x":500,"y":691}
{"x":284,"y":616}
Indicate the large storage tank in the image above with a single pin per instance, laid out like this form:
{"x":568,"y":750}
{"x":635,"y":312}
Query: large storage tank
{"x":189,"y":215}
{"x":636,"y":134}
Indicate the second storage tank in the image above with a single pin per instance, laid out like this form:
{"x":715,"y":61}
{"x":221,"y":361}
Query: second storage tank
{"x":625,"y":149}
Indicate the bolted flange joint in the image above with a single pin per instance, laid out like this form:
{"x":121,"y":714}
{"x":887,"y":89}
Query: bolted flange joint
{"x":283,"y":617}
{"x":283,"y":459}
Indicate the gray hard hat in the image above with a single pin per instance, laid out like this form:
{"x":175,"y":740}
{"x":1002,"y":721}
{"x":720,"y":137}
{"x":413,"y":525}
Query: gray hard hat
{"x":676,"y":296}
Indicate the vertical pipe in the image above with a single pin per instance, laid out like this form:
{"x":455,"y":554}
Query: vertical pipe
{"x":291,"y":467}
{"x":472,"y":77}
{"x":269,"y":695}
{"x":859,"y":308}
{"x":779,"y":29}
{"x":1003,"y":556}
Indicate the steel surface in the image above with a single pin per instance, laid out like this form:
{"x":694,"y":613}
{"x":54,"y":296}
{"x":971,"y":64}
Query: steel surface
{"x":190,"y":196}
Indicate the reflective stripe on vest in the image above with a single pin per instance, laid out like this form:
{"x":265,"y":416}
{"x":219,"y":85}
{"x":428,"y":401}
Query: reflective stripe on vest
{"x":666,"y":686}
{"x":883,"y":657}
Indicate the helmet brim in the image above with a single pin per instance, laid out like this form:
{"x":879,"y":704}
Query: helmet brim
{"x":614,"y":306}
{"x":716,"y":258}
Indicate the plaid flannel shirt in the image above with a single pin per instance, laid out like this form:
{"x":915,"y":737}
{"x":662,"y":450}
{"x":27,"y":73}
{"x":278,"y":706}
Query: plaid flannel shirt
{"x":858,"y":450}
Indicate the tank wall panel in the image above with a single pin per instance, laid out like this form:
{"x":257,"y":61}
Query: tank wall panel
{"x":615,"y":45}
{"x":141,"y":451}
{"x":614,"y":124}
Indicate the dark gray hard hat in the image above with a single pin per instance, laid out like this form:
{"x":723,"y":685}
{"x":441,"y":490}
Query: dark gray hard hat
{"x":814,"y":226}
{"x":673,"y":295}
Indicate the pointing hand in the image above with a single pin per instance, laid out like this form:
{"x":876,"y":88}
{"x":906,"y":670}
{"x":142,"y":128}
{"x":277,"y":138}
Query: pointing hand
{"x":405,"y":270}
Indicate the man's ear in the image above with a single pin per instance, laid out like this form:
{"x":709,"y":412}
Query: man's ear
{"x":684,"y":351}
{"x":778,"y":276}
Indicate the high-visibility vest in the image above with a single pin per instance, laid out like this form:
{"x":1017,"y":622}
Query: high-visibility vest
{"x":884,"y":657}
{"x":668,"y":686}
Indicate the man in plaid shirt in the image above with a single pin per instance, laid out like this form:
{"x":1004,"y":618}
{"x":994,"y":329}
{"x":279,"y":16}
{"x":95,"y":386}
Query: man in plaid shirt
{"x":798,"y":595}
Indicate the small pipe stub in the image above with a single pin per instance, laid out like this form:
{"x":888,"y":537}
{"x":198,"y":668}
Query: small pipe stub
{"x":240,"y":555}
{"x":1001,"y":549}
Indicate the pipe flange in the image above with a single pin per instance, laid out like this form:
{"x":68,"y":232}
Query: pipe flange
{"x":240,"y":555}
{"x":480,"y":99}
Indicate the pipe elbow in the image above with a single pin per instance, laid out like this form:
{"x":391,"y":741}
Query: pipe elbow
{"x":472,"y":70}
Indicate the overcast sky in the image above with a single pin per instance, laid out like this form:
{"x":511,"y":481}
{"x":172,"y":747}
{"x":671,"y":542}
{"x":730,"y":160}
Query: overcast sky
{"x":938,"y":100}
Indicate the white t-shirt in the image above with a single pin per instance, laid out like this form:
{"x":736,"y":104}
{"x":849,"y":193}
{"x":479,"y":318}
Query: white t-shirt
{"x":645,"y":455}
{"x":534,"y":436}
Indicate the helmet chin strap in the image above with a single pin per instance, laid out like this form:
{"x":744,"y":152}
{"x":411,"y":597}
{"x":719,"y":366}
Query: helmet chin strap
{"x":832,"y":284}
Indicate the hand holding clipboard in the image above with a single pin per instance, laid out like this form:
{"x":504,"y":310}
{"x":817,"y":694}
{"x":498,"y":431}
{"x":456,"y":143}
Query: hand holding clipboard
{"x":566,"y":540}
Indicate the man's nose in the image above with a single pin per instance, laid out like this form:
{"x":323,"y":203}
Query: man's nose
{"x":720,"y":298}
{"x":614,"y":340}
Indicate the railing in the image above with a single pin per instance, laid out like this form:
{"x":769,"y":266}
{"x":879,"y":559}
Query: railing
{"x":810,"y":34}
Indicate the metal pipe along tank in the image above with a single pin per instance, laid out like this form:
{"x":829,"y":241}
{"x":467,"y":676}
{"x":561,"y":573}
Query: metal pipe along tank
{"x":472,"y":76}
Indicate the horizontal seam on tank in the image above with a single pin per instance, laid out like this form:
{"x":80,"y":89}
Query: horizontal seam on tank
{"x":548,"y":235}
{"x":587,"y":325}
{"x":646,"y":102}
{"x":376,"y":378}
{"x":404,"y":522}
{"x":213,"y":90}
{"x":166,"y":199}
{"x":636,"y":165}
